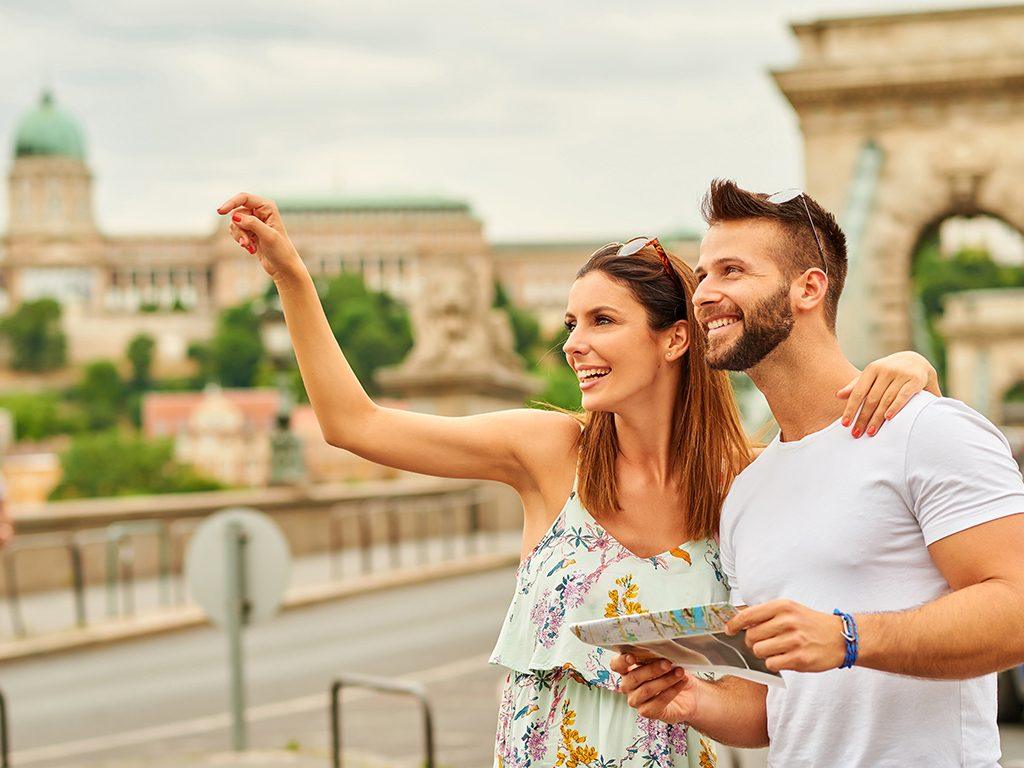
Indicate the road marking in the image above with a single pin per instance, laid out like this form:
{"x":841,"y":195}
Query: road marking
{"x":319,"y":701}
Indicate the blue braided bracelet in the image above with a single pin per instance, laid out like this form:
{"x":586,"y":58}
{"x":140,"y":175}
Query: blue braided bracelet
{"x":850,"y":636}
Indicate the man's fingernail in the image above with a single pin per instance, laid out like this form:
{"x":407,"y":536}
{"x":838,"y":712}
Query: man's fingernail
{"x":236,"y":217}
{"x":680,"y":672}
{"x":665,"y":666}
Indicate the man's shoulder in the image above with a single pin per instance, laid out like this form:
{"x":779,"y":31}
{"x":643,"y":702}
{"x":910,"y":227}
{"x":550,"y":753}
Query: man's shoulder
{"x":945,"y":421}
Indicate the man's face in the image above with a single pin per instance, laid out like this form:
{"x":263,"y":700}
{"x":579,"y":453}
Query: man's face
{"x":743,"y":298}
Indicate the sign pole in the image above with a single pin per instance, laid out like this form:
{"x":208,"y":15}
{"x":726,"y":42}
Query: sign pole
{"x":237,"y":618}
{"x":222,"y":576}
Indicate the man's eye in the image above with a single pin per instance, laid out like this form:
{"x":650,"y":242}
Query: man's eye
{"x":730,"y":270}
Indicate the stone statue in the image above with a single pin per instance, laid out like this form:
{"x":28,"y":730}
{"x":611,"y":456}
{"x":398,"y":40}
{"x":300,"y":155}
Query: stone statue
{"x":454,"y":324}
{"x":464,"y":348}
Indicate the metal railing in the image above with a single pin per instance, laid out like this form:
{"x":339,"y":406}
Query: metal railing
{"x":451,"y":516}
{"x":368,"y":534}
{"x":35,"y":543}
{"x":381,"y":685}
{"x":121,"y":540}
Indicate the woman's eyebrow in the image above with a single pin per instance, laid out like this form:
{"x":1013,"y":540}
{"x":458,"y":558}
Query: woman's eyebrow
{"x":593,"y":311}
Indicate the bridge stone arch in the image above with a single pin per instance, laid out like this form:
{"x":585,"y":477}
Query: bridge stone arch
{"x":907,"y":119}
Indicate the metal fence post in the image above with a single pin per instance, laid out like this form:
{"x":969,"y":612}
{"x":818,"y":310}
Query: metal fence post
{"x":5,"y":747}
{"x":381,"y":685}
{"x":78,"y":581}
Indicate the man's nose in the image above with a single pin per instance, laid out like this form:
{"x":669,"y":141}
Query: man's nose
{"x":705,"y":293}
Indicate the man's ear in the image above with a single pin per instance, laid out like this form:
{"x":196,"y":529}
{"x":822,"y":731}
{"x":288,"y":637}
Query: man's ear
{"x":813,"y":287}
{"x":678,"y":341}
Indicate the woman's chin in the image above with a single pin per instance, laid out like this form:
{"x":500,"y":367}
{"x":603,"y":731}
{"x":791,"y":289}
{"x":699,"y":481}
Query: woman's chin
{"x":594,"y":403}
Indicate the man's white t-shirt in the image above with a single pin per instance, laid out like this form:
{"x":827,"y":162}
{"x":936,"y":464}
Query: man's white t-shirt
{"x":834,"y":522}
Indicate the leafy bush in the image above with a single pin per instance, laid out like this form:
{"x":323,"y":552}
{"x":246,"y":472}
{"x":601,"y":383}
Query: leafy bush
{"x":38,"y":415}
{"x":116,"y":464}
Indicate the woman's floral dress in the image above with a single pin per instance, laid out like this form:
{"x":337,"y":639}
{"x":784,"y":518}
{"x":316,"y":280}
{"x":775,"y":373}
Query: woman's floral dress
{"x":560,"y":705}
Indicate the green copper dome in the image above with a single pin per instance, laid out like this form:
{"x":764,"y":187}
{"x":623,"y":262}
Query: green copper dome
{"x":47,"y":131}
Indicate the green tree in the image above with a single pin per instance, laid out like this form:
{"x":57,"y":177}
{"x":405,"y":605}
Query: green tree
{"x":937,"y":276}
{"x":235,"y":352}
{"x":101,"y":393}
{"x":372,"y":328}
{"x":114,"y":464}
{"x":561,"y":387}
{"x":525,"y":326}
{"x":199,"y":353}
{"x":140,"y":354}
{"x":36,"y":339}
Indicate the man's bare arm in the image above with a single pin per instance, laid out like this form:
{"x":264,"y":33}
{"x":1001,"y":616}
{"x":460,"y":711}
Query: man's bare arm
{"x":976,"y":629}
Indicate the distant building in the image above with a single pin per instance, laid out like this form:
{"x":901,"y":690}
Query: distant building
{"x":172,"y":286}
{"x":225,"y":434}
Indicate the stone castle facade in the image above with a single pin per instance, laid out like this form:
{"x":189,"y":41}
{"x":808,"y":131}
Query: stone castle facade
{"x":172,"y":287}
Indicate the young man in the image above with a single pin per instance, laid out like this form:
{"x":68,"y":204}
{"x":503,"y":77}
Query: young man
{"x":899,"y":559}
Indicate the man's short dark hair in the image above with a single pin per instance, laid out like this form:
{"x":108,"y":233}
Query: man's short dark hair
{"x":725,"y":201}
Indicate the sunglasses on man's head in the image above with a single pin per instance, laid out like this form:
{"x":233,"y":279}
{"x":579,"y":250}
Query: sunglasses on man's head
{"x":787,"y":195}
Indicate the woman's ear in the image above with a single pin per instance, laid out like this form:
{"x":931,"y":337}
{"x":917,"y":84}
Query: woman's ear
{"x":678,"y":341}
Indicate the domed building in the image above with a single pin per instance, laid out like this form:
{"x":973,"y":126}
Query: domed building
{"x":173,"y":286}
{"x":111,"y":288}
{"x":50,"y":184}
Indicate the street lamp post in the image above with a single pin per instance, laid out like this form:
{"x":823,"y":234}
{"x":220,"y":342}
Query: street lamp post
{"x":286,"y":463}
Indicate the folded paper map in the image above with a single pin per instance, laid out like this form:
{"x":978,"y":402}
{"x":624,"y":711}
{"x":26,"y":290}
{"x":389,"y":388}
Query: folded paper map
{"x":693,"y":638}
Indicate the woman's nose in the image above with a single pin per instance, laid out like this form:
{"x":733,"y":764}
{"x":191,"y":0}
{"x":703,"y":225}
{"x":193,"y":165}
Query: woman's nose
{"x":575,"y":343}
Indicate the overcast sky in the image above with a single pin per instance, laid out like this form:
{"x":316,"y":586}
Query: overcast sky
{"x":560,"y":118}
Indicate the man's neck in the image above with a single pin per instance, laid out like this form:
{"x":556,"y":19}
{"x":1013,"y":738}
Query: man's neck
{"x":800,"y":379}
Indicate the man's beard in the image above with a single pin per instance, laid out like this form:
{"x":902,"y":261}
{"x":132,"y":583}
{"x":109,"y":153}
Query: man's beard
{"x":765,"y":326}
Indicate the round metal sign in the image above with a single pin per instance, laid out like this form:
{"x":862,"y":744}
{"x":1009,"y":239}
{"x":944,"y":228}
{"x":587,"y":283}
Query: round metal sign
{"x":266,"y":563}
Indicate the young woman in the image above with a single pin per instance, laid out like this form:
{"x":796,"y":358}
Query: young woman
{"x":620,"y":503}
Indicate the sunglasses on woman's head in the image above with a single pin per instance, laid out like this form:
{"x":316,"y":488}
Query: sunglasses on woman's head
{"x":637,"y":244}
{"x":787,"y":195}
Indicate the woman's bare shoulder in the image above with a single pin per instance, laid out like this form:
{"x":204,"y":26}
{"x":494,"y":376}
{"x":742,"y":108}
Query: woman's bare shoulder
{"x":544,"y":437}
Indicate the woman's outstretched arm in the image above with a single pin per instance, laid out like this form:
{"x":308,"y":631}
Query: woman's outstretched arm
{"x":507,"y":446}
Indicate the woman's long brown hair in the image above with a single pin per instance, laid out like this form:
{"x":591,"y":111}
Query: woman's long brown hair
{"x":708,"y":442}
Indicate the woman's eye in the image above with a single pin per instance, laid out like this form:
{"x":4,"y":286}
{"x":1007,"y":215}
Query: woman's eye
{"x":601,"y":320}
{"x":569,"y":326}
